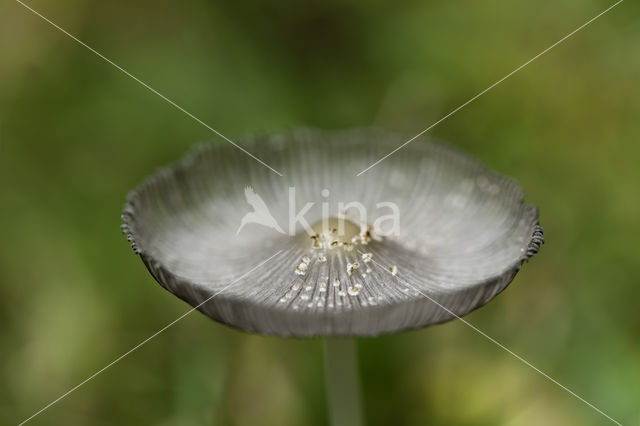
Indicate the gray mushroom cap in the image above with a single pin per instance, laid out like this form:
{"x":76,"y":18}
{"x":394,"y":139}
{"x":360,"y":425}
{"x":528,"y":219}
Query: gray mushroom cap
{"x":464,"y":233}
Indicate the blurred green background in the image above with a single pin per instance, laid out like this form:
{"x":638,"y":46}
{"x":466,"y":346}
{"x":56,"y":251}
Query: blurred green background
{"x":76,"y":134}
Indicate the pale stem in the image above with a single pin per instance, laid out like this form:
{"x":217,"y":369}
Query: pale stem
{"x":342,"y":382}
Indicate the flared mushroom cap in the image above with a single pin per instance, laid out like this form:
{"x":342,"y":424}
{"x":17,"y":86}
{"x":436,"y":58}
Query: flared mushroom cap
{"x":464,"y":233}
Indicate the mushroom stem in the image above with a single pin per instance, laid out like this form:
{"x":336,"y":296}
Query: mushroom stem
{"x":342,"y":382}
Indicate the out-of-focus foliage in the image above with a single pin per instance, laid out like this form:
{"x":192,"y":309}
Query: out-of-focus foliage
{"x":76,"y":134}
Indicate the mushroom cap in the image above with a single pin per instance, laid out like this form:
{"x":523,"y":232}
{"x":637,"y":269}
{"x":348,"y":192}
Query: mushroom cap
{"x":464,"y":233}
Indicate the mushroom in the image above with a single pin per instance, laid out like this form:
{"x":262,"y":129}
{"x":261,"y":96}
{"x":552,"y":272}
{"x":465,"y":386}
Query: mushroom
{"x":316,"y":266}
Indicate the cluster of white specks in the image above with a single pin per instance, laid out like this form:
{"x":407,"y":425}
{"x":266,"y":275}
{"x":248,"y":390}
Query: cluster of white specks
{"x":354,"y":290}
{"x":303,"y":266}
{"x":329,"y":240}
{"x":351,"y":267}
{"x":303,"y":294}
{"x":301,"y":269}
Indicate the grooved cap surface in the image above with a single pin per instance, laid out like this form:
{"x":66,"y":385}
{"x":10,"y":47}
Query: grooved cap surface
{"x":464,"y":232}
